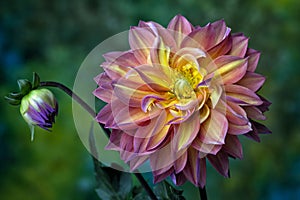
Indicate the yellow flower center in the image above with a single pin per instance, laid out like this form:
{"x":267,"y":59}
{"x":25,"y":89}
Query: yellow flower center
{"x":183,"y":90}
{"x":190,"y":72}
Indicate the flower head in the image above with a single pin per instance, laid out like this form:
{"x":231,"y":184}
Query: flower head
{"x":180,"y":96}
{"x":38,"y":107}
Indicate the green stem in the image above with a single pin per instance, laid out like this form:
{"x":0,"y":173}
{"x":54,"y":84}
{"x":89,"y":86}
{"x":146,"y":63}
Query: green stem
{"x":74,"y":96}
{"x":202,"y":193}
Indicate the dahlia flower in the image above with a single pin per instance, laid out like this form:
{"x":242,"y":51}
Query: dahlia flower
{"x":180,"y":96}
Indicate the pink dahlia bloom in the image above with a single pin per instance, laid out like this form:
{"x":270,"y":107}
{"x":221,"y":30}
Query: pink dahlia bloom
{"x":180,"y":96}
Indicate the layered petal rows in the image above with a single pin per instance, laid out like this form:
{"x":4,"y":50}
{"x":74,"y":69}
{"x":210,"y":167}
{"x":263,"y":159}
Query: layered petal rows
{"x":181,"y":96}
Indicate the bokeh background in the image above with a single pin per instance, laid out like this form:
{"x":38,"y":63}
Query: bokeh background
{"x":52,"y":38}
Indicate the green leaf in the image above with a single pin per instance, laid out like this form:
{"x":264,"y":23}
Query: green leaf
{"x":35,"y":81}
{"x":25,"y":86}
{"x":165,"y":191}
{"x":15,"y":95}
{"x":12,"y":101}
{"x":111,"y":184}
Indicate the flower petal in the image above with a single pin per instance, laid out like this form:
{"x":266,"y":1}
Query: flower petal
{"x":143,"y":133}
{"x":235,"y":114}
{"x":235,"y":129}
{"x":228,"y":69}
{"x":130,"y":118}
{"x":158,"y":139}
{"x":141,"y":40}
{"x":162,"y":159}
{"x":156,"y":77}
{"x":252,"y":81}
{"x":220,"y":162}
{"x":206,"y":148}
{"x":239,"y":45}
{"x":192,"y":169}
{"x":254,"y":113}
{"x":241,"y":95}
{"x":159,"y":31}
{"x":180,"y":27}
{"x":206,"y":37}
{"x":131,"y":90}
{"x":114,"y":140}
{"x":137,"y":162}
{"x":178,"y":179}
{"x":253,"y":59}
{"x":233,"y":146}
{"x":186,"y":132}
{"x":180,"y":163}
{"x":123,"y":59}
{"x":213,"y":130}
{"x":158,"y":177}
{"x":221,"y":49}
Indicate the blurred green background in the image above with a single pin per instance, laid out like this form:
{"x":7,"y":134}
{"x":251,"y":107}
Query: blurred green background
{"x":52,"y":38}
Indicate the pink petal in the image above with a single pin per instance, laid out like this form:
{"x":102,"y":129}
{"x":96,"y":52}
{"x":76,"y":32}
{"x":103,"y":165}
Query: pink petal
{"x":235,"y":129}
{"x":253,"y":59}
{"x":241,"y":95}
{"x":252,"y":81}
{"x":130,"y":118}
{"x":141,"y":40}
{"x":204,"y":113}
{"x":220,"y":162}
{"x":260,"y":128}
{"x":233,"y":147}
{"x":239,"y":45}
{"x":160,"y":53}
{"x":221,"y":49}
{"x":103,"y":93}
{"x":150,"y":100}
{"x":114,"y":140}
{"x":192,"y":169}
{"x":126,"y":145}
{"x":185,"y":56}
{"x":104,"y":114}
{"x":180,"y":163}
{"x":159,"y":139}
{"x":124,"y":59}
{"x":186,"y":132}
{"x":162,"y":159}
{"x":202,"y":178}
{"x":160,"y":31}
{"x":131,"y":90}
{"x":137,"y":162}
{"x":254,"y":113}
{"x":253,"y":136}
{"x":159,"y":177}
{"x":221,"y":30}
{"x":206,"y":37}
{"x":228,"y":69}
{"x":235,"y":114}
{"x":143,"y":133}
{"x":265,"y":105}
{"x":158,"y":77}
{"x":180,"y":27}
{"x":178,"y":179}
{"x":206,"y":148}
{"x":213,"y":130}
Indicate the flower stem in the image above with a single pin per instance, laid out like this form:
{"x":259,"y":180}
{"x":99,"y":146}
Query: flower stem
{"x":202,"y":193}
{"x":74,"y":96}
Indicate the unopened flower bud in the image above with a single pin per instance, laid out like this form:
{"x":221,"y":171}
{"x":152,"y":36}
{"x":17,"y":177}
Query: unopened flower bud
{"x":39,"y":107}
